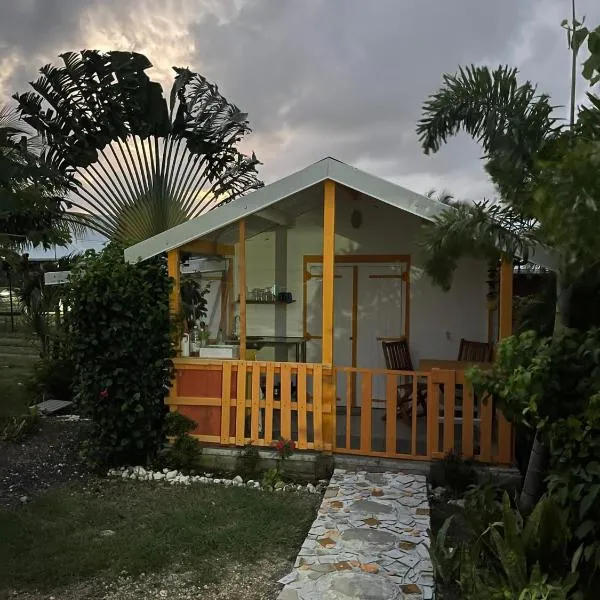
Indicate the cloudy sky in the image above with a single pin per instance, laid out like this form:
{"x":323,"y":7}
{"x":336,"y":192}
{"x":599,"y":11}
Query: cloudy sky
{"x":344,"y":78}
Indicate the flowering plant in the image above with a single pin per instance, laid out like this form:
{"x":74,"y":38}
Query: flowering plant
{"x":284,"y":448}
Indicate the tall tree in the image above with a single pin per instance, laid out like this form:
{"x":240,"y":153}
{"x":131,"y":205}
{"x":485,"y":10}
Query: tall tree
{"x":138,"y":165}
{"x":544,"y":171}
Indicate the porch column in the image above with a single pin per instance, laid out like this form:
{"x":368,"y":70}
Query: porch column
{"x":506,"y":299}
{"x":173,"y":268}
{"x":242,"y":286}
{"x":328,"y":270}
{"x":328,"y":404}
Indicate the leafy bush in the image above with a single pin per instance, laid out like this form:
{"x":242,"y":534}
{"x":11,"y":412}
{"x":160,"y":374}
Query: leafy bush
{"x":121,"y":342}
{"x":15,"y":428}
{"x":248,"y":460}
{"x":183,"y":453}
{"x":271,"y":478}
{"x":453,"y":472}
{"x":500,"y":554}
{"x":177,"y":424}
{"x":552,"y":386}
{"x":53,"y":378}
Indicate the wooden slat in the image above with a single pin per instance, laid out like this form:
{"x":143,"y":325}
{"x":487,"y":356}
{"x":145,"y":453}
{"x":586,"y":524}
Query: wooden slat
{"x":433,"y":414}
{"x":270,"y":382}
{"x":240,"y":410}
{"x":391,"y":401}
{"x":505,"y":440}
{"x":225,"y":403}
{"x":242,"y":285}
{"x":350,"y":378}
{"x":413,"y":434}
{"x":318,"y":407}
{"x":254,"y":419}
{"x":467,"y":424}
{"x":486,"y":430}
{"x":328,"y":270}
{"x":174,"y":271}
{"x":286,"y":401}
{"x":365,"y":411}
{"x":192,"y":401}
{"x":302,"y":420}
{"x":449,"y":397}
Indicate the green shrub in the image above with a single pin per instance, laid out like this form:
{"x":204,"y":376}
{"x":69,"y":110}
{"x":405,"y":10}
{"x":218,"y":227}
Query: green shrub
{"x":453,"y":472}
{"x":183,"y":454}
{"x":271,"y":478}
{"x":177,"y":424}
{"x":499,"y":554}
{"x":16,"y":428}
{"x":53,"y":378}
{"x":247,"y":461}
{"x":121,"y":341}
{"x":552,"y":386}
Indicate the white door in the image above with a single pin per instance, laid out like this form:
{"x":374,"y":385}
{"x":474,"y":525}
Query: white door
{"x":381,"y":314}
{"x":342,"y":310}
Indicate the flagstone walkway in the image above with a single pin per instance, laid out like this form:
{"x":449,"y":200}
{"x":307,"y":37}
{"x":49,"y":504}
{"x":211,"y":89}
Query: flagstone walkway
{"x":368,"y":542}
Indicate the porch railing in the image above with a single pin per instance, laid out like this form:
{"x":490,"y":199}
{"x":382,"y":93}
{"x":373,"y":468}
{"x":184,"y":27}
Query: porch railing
{"x":277,"y":399}
{"x":341,"y":409}
{"x":451,"y":418}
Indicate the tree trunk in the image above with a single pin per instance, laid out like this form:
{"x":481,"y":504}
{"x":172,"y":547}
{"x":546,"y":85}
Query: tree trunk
{"x":538,"y":459}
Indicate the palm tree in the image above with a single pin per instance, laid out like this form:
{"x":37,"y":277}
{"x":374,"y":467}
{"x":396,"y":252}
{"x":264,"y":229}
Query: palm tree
{"x":31,"y":191}
{"x":137,"y":165}
{"x":529,"y":157}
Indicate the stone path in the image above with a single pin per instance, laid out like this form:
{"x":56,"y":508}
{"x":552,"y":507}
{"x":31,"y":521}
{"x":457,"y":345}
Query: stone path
{"x":368,"y":542}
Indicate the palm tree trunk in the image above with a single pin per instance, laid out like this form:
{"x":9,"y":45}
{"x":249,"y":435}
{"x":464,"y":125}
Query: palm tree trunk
{"x":538,"y":459}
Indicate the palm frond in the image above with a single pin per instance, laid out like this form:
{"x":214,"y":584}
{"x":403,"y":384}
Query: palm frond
{"x":480,"y":230}
{"x":138,"y":167}
{"x":510,"y":121}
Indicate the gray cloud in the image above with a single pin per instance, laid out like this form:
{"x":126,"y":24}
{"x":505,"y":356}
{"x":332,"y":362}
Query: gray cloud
{"x":339,"y":77}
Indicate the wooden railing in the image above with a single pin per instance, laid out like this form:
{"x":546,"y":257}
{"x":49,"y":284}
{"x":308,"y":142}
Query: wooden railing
{"x":439,"y":413}
{"x":296,"y":401}
{"x":278,"y":399}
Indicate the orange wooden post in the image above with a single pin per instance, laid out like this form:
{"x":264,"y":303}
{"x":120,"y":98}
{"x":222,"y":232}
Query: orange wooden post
{"x":328,"y":403}
{"x":242,"y":286}
{"x":505,"y":440}
{"x":175,"y":274}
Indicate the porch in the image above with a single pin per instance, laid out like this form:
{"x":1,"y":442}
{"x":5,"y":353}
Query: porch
{"x":291,"y":400}
{"x":302,"y":297}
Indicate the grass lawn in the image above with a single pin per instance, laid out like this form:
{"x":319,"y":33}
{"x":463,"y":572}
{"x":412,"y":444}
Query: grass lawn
{"x":58,"y":539}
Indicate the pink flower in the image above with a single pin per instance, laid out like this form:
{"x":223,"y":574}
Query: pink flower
{"x":104,"y":393}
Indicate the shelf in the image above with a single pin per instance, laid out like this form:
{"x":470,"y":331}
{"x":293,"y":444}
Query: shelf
{"x":265,"y":302}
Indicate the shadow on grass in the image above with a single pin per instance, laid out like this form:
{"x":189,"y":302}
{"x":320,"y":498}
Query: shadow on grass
{"x":62,"y":537}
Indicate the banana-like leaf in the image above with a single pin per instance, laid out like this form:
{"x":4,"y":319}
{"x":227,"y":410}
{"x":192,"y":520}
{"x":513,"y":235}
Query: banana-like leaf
{"x":136,"y":166}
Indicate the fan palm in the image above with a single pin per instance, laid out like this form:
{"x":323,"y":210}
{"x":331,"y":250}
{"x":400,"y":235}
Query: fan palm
{"x":138,"y":166}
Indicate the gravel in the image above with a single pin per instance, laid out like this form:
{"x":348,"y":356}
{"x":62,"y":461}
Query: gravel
{"x":43,"y":459}
{"x":256,"y":581}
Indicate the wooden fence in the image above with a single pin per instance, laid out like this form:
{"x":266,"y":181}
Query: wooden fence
{"x":343,"y":410}
{"x":278,"y":399}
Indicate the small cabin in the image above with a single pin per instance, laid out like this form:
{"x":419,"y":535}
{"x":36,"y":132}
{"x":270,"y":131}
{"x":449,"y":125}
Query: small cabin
{"x":322,"y":327}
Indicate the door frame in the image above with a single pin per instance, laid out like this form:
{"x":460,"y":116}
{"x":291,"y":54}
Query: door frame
{"x":354,"y":259}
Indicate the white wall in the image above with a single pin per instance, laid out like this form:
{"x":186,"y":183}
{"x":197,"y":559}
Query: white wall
{"x":437,"y":319}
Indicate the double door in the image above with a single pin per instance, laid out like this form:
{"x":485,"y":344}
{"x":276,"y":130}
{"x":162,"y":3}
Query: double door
{"x":370,"y":305}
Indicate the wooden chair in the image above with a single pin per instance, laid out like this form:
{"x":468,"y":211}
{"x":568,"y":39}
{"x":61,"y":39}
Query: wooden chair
{"x":475,"y":351}
{"x":397,"y":358}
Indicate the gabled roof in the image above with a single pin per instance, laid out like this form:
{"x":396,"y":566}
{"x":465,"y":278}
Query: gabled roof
{"x":270,"y":195}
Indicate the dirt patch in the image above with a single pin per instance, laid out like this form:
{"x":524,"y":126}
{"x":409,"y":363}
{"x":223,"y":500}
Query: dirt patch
{"x":257,"y":581}
{"x":43,"y":459}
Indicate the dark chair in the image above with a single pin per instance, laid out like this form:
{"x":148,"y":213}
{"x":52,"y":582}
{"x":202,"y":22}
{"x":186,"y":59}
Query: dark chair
{"x":475,"y":351}
{"x":397,"y":358}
